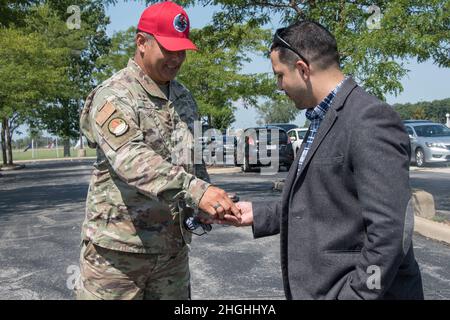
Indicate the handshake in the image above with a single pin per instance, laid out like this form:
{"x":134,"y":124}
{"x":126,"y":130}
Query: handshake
{"x":222,"y":210}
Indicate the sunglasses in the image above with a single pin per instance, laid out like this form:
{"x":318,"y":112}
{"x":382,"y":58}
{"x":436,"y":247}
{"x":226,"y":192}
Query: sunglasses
{"x":278,"y":41}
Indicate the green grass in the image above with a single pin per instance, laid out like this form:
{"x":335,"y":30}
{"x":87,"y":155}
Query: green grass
{"x":44,"y":153}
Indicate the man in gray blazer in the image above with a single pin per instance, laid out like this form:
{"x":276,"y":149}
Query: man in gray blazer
{"x":345,"y":216}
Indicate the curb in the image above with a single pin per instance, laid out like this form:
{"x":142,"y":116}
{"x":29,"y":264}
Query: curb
{"x":430,"y":169}
{"x":15,"y":167}
{"x":431,"y":229}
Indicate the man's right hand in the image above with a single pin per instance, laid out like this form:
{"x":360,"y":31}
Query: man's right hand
{"x":216,"y":202}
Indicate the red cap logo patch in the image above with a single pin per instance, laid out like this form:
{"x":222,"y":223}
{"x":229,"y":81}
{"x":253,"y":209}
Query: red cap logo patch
{"x":180,"y":23}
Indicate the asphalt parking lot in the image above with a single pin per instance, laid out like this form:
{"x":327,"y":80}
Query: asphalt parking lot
{"x":42,"y":208}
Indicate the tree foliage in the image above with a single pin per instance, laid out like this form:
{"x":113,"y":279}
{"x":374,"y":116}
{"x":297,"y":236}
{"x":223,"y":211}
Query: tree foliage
{"x":31,"y":70}
{"x":46,"y":67}
{"x":214,"y":73}
{"x":87,"y":43}
{"x":372,"y":52}
{"x":215,"y":77}
{"x":434,"y":110}
{"x":279,"y":110}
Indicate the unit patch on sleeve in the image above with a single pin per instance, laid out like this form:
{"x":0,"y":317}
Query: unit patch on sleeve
{"x":118,"y":126}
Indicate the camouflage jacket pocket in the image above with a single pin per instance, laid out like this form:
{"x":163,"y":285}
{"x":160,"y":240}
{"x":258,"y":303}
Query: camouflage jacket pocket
{"x":156,"y":124}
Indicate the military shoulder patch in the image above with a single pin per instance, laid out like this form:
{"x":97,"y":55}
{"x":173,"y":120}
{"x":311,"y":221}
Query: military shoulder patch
{"x":118,"y":127}
{"x":104,"y":113}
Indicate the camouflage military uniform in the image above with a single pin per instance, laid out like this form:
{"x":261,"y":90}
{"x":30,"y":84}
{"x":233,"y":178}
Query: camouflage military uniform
{"x":143,"y":185}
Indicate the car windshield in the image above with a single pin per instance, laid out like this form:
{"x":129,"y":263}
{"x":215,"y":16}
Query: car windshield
{"x":266,"y":135}
{"x":432,"y":130}
{"x":302,"y":134}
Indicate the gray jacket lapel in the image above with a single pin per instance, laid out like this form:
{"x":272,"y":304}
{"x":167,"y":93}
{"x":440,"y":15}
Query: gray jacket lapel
{"x":293,"y":171}
{"x":325,"y":126}
{"x":328,"y":121}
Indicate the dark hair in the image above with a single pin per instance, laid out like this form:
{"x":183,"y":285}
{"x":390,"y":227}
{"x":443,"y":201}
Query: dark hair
{"x":311,"y":39}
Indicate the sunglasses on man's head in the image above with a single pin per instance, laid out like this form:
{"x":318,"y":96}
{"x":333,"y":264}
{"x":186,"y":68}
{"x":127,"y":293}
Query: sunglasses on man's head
{"x":278,"y":41}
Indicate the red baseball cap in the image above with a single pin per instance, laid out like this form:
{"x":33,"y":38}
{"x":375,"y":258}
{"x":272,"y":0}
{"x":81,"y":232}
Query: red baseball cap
{"x":169,"y":24}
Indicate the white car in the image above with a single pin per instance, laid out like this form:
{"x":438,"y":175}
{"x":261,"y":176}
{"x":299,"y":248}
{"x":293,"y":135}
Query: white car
{"x":296,"y":136}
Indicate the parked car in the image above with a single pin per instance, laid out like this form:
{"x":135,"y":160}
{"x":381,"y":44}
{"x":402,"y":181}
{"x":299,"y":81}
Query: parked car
{"x":257,"y":138}
{"x":430,"y":142}
{"x":296,"y":136}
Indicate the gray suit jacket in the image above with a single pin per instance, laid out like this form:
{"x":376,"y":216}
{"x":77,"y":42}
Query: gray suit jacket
{"x":346,"y":220}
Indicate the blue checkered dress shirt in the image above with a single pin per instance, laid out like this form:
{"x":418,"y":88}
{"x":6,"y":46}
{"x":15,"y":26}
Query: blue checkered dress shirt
{"x":316,"y":115}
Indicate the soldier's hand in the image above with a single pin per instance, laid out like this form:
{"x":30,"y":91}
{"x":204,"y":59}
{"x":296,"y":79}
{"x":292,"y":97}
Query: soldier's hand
{"x":216,"y":202}
{"x":246,"y":216}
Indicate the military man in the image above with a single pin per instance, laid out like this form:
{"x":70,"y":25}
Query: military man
{"x":144,"y":184}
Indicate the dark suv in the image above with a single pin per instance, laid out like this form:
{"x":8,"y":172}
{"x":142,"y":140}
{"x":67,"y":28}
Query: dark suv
{"x":260,"y":147}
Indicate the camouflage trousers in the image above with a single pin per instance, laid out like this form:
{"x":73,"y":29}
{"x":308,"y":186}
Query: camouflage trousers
{"x":115,"y":275}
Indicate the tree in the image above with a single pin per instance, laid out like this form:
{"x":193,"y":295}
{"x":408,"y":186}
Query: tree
{"x":45,"y":81}
{"x":31,"y":69}
{"x":279,"y":110}
{"x":434,"y":110}
{"x":214,"y":74}
{"x":373,"y":36}
{"x":60,"y":116}
{"x":121,"y":49}
{"x":14,"y":12}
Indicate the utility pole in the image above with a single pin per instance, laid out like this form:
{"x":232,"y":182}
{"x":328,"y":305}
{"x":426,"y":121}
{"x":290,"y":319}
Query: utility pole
{"x":57,"y":151}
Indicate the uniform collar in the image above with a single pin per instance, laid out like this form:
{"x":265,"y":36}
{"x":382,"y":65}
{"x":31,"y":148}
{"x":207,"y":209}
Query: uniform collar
{"x":150,"y":86}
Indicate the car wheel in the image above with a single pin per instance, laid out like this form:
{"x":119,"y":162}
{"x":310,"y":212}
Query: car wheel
{"x":420,"y":158}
